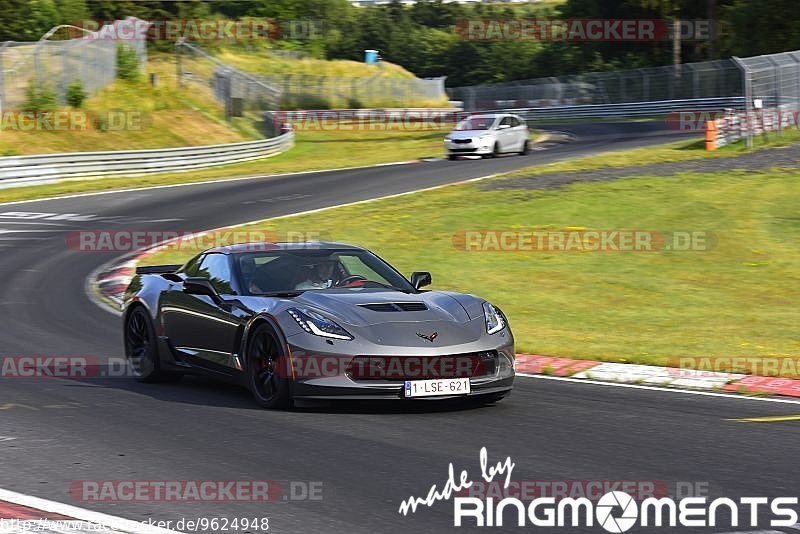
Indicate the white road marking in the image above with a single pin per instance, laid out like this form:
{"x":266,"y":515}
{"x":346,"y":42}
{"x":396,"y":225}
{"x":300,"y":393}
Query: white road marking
{"x":37,"y":223}
{"x":654,"y":388}
{"x":283,"y":198}
{"x":202,"y":182}
{"x":109,"y":521}
{"x":7,"y":438}
{"x":26,"y":231}
{"x":36,"y":216}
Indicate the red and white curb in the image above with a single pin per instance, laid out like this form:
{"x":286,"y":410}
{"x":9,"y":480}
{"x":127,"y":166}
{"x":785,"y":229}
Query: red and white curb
{"x":651,"y":375}
{"x":21,"y":514}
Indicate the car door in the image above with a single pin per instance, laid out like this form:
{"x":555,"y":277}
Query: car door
{"x":505,"y":134}
{"x":520,"y":132}
{"x":203,"y":330}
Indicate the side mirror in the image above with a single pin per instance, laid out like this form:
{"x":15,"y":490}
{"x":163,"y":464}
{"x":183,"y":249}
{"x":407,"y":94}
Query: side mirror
{"x":197,"y":285}
{"x":503,"y":126}
{"x":420,"y":279}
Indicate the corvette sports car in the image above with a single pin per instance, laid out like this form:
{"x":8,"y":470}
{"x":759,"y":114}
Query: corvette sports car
{"x":304,"y":321}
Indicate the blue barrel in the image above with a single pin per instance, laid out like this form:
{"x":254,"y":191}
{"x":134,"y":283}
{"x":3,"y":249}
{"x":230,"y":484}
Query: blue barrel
{"x":370,"y":57}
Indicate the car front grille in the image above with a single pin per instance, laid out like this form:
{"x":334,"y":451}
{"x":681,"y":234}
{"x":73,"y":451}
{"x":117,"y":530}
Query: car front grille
{"x":470,"y":365}
{"x":462,"y":141}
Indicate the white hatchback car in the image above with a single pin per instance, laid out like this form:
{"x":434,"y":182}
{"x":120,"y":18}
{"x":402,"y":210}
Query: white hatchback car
{"x":489,"y":134}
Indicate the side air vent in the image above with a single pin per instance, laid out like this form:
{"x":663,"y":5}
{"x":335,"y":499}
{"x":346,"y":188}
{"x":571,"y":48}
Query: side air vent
{"x":395,"y":306}
{"x":411,"y":306}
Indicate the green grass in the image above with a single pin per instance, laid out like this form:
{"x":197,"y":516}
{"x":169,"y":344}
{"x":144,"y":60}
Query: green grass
{"x":317,"y":83}
{"x":668,"y":153}
{"x":165,"y":116}
{"x":171,"y":116}
{"x":269,"y":65}
{"x":739,"y":298}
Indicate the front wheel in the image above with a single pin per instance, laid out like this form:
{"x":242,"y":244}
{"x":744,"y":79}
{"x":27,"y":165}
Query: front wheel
{"x":266,"y":364}
{"x":525,"y":148}
{"x":496,"y":150}
{"x":141,"y":350}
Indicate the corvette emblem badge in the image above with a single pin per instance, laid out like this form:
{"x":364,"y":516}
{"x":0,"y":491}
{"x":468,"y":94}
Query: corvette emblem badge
{"x":430,"y":338}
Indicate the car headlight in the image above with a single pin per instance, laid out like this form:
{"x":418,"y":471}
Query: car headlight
{"x":448,"y":138}
{"x":494,"y":318}
{"x":317,"y":324}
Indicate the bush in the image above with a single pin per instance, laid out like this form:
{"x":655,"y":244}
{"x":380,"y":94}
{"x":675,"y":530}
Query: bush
{"x":75,"y":93}
{"x":127,"y":64}
{"x":304,"y":101}
{"x":38,"y":99}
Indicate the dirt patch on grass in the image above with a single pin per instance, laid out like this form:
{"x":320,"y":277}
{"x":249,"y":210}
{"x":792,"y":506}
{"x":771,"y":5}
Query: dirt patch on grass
{"x":759,"y":160}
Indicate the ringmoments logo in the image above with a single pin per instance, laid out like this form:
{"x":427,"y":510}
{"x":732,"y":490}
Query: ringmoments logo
{"x":615,"y":511}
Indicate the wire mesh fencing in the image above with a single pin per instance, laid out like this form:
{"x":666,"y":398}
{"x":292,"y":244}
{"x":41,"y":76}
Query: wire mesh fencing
{"x":771,"y":87}
{"x":240,"y":92}
{"x":710,"y":79}
{"x":51,"y":66}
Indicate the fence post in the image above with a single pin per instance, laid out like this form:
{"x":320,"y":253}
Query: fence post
{"x":179,"y":62}
{"x":3,"y":102}
{"x":645,"y":86}
{"x":777,"y":91}
{"x":748,"y":100}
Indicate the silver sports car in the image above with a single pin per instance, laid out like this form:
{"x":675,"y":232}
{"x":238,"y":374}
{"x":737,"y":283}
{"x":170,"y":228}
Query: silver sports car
{"x":302,"y":321}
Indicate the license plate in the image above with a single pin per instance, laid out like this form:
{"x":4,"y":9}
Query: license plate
{"x":441,"y":386}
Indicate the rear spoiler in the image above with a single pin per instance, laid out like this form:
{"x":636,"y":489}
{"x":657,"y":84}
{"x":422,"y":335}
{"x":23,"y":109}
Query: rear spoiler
{"x":157,"y":269}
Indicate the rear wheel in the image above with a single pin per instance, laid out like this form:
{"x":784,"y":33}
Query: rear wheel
{"x":265,"y":365}
{"x":141,"y":348}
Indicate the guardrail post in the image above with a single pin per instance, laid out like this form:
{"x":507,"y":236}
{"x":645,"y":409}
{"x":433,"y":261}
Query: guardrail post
{"x":748,"y":98}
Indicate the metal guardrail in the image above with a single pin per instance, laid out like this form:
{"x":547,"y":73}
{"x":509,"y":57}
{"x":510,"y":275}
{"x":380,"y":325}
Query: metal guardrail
{"x":629,"y":109}
{"x":18,"y":171}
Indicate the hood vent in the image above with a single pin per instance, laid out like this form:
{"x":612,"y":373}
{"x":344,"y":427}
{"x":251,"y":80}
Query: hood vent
{"x":395,"y":306}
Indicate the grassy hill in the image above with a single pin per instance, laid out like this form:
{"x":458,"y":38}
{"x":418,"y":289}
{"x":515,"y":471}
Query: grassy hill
{"x":136,"y":115}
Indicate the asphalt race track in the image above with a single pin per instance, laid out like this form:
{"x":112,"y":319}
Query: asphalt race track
{"x":367,"y":459}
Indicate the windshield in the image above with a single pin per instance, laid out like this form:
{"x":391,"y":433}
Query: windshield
{"x":267,"y":272}
{"x":475,"y":123}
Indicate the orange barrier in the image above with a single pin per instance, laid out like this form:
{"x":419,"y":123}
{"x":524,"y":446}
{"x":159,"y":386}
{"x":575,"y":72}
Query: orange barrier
{"x":711,"y":135}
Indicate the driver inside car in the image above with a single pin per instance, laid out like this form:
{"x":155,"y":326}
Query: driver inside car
{"x":318,"y":276}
